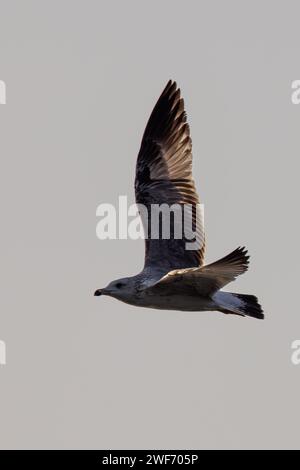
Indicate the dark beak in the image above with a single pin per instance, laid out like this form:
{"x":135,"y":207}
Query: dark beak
{"x":98,"y":292}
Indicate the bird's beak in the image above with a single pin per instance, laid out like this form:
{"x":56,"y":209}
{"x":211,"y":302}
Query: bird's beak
{"x":98,"y":292}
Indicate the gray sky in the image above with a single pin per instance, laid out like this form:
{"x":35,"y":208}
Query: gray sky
{"x":82,"y":78}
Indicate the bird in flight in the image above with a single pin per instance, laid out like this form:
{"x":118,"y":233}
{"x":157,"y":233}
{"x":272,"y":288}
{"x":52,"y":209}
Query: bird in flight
{"x":174,"y":277}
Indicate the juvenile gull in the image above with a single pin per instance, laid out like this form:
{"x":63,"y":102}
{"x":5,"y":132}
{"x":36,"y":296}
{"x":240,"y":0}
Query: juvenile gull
{"x":173,"y":277}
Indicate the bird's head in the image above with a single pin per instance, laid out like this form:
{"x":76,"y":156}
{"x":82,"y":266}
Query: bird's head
{"x":121,"y":289}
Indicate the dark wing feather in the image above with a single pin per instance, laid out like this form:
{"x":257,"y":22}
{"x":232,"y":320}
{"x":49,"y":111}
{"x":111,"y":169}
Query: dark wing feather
{"x":206,"y":280}
{"x":164,"y":176}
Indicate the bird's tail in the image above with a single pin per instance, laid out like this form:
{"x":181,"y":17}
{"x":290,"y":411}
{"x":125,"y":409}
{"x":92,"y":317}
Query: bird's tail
{"x":239,"y":304}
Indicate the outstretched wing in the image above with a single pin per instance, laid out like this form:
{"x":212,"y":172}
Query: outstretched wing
{"x":206,"y":280}
{"x":164,"y":176}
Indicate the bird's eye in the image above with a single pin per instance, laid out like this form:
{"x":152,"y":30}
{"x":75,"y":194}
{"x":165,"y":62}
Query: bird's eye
{"x":119,"y":285}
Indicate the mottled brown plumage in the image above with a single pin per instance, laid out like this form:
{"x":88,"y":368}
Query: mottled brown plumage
{"x":164,"y":176}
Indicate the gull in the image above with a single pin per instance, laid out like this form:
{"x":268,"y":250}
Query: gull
{"x":174,"y":277}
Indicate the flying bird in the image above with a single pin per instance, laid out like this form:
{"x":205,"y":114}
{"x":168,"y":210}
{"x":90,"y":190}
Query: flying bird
{"x":174,"y":277}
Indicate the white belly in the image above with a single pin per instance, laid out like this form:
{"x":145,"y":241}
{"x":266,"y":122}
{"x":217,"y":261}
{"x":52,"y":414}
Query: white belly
{"x":175,"y":302}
